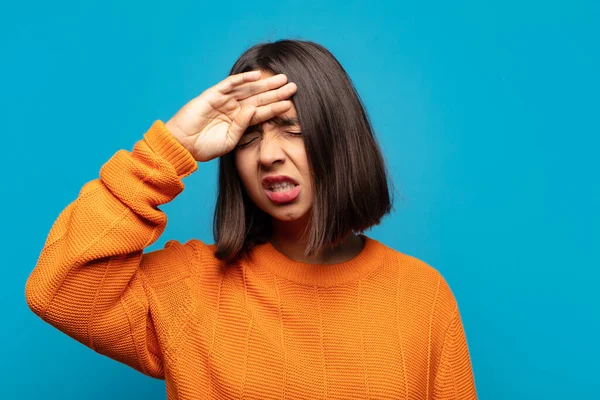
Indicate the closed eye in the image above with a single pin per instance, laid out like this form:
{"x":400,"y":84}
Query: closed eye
{"x":242,"y":145}
{"x":248,"y":138}
{"x":252,"y":136}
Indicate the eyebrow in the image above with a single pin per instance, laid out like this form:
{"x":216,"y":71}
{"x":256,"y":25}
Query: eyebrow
{"x":277,"y":120}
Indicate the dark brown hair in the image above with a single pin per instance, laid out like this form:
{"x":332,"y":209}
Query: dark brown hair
{"x":348,"y":171}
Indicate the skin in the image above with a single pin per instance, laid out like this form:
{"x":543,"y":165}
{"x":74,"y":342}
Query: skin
{"x":213,"y":123}
{"x":279,"y":150}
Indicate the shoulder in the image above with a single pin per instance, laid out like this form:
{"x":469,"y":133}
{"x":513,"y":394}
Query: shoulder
{"x":424,"y":294}
{"x":418,"y":277}
{"x":175,"y":261}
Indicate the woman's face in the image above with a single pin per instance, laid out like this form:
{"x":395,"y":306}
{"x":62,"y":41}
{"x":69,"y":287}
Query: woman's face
{"x":272,"y":164}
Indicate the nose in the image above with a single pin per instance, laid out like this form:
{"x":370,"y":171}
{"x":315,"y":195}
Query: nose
{"x":270,"y":150}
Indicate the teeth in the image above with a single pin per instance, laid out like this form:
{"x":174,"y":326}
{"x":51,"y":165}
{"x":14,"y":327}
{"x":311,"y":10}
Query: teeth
{"x":282,"y":186}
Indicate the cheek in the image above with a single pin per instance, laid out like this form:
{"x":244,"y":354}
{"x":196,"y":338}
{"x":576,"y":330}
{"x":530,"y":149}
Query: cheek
{"x":242,"y":173}
{"x":245,"y":173}
{"x":303,"y":165}
{"x":237,"y":160}
{"x":241,"y":165}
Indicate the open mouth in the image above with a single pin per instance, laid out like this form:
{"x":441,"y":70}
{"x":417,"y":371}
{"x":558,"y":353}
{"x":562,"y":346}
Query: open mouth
{"x":282,"y":187}
{"x":283,"y":192}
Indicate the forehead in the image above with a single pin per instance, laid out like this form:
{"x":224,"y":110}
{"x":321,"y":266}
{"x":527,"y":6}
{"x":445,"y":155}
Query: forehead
{"x":289,"y":114}
{"x":281,"y":121}
{"x":286,"y":119}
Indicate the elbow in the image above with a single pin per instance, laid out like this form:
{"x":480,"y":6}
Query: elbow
{"x":35,"y":301}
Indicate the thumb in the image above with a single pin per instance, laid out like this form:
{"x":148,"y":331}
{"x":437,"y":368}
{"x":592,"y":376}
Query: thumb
{"x":240,"y":123}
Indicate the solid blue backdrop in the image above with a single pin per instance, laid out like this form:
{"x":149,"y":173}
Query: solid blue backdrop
{"x":487,"y":114}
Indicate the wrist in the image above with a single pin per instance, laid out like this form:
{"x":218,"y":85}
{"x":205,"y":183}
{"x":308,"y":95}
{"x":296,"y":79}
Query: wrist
{"x":178,"y":135}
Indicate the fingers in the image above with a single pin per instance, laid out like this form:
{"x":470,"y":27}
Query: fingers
{"x":272,"y":96}
{"x":245,"y":89}
{"x":273,"y":82}
{"x":264,"y":113}
{"x":232,"y":81}
{"x":240,"y":123}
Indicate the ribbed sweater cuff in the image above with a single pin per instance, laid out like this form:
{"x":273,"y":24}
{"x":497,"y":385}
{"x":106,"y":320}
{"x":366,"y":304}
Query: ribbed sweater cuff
{"x":162,"y":142}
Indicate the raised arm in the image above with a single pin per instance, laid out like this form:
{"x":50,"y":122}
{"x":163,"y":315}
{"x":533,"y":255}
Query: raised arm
{"x":88,"y":282}
{"x":92,"y":280}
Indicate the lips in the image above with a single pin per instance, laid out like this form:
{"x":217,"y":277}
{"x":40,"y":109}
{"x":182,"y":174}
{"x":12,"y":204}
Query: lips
{"x":269,"y":181}
{"x":281,"y":197}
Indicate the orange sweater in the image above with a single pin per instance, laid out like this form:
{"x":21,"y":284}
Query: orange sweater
{"x":382,"y":325}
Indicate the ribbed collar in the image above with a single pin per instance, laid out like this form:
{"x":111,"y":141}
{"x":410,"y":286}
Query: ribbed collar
{"x":267,"y":258}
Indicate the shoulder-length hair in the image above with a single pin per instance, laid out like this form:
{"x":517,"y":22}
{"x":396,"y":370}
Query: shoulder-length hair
{"x":348,"y":171}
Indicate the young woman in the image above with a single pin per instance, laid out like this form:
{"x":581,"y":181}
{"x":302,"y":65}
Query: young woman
{"x":292,"y":300}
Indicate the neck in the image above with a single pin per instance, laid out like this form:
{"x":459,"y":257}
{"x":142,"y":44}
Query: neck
{"x":287,"y":239}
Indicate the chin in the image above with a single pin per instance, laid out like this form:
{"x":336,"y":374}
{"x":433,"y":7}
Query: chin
{"x":287,"y":213}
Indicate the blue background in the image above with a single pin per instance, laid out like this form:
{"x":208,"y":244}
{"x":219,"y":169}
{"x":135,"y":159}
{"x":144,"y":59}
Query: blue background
{"x":487,"y":114}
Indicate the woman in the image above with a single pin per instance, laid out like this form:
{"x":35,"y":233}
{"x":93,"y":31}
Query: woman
{"x":292,"y":300}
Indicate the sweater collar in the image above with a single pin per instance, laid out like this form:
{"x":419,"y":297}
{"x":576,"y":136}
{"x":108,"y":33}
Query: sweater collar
{"x":266,"y":257}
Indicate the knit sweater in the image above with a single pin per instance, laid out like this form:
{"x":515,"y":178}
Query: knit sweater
{"x":381,"y":325}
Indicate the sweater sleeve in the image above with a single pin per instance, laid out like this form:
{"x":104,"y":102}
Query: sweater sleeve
{"x":89,"y":280}
{"x":454,"y":377}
